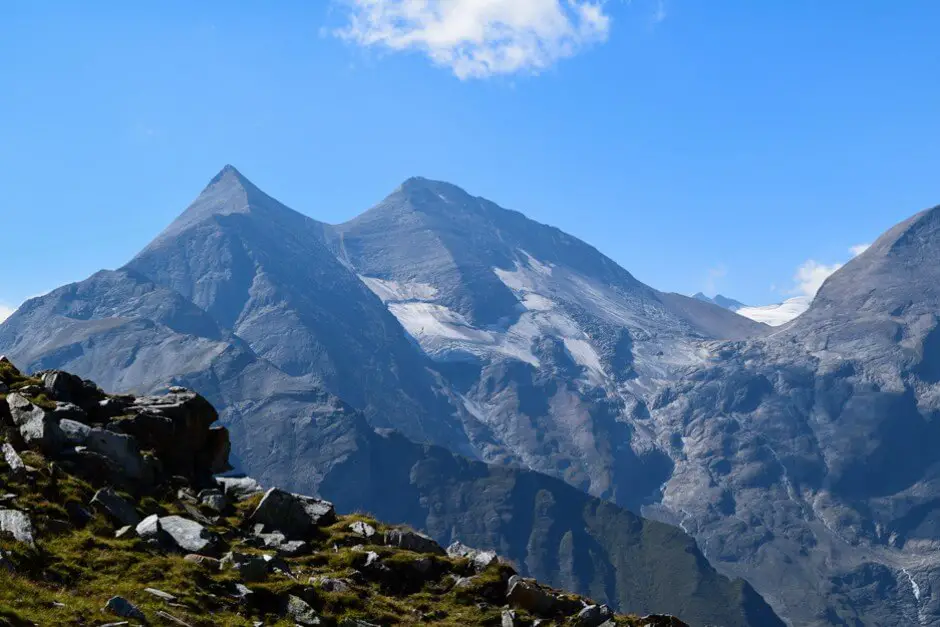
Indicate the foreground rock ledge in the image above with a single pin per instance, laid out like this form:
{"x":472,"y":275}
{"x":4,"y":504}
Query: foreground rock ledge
{"x":123,"y":489}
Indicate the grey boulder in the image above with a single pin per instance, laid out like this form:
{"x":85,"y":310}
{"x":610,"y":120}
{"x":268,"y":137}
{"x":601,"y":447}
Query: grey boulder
{"x":294,"y":515}
{"x":17,"y":524}
{"x":37,"y":427}
{"x":413,"y":541}
{"x":116,"y":507}
{"x":189,"y":536}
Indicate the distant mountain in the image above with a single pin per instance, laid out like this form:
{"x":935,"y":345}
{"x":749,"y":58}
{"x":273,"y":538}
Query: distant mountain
{"x":802,"y":459}
{"x":468,"y":327}
{"x":722,"y":301}
{"x":810,"y":460}
{"x":549,"y":343}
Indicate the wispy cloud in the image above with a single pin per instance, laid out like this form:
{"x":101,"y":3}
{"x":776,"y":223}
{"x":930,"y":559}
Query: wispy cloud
{"x":660,"y":14}
{"x":811,"y":274}
{"x":713,"y":277}
{"x":477,"y":38}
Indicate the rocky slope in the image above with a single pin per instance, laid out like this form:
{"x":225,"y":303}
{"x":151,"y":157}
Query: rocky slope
{"x":111,"y":511}
{"x":809,"y":459}
{"x":800,"y":458}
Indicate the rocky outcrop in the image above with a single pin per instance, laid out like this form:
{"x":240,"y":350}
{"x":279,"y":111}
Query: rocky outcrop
{"x":284,"y":556}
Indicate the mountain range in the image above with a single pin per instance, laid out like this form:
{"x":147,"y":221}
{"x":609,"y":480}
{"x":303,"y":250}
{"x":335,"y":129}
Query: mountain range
{"x":445,"y":362}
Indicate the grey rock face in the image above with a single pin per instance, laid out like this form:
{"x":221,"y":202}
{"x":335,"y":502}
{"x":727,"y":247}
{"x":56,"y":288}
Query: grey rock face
{"x":189,"y":536}
{"x":294,"y":515}
{"x":124,"y":608}
{"x":412,"y":541}
{"x":239,"y":488}
{"x":118,"y":508}
{"x":119,"y":448}
{"x":36,"y":426}
{"x":13,"y":460}
{"x":17,"y":524}
{"x":481,"y":559}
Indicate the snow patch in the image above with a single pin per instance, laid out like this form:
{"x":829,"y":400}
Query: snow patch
{"x":776,"y":315}
{"x":584,"y":355}
{"x":390,"y":291}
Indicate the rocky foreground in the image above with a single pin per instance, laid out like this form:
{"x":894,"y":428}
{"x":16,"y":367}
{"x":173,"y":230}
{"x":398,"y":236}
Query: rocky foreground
{"x":112,"y":513}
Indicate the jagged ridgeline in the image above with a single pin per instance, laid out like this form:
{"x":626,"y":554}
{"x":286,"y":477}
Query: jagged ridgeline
{"x":112,"y":512}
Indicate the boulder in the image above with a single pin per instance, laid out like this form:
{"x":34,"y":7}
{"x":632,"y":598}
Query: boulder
{"x":189,"y":536}
{"x":294,"y":515}
{"x":593,"y":616}
{"x":527,"y":595}
{"x":119,"y":448}
{"x":362,"y":529}
{"x":150,"y":529}
{"x":17,"y":524}
{"x":413,"y":541}
{"x":213,"y":499}
{"x":74,"y":432}
{"x":508,"y":618}
{"x":301,"y":612}
{"x":116,"y":507}
{"x":239,"y":488}
{"x":36,"y":426}
{"x":481,"y":560}
{"x":14,"y":461}
{"x":68,"y":388}
{"x":69,"y":411}
{"x":123,"y":608}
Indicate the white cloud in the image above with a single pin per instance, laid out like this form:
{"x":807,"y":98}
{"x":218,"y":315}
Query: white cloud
{"x":479,"y":38}
{"x":858,"y":249}
{"x":811,"y":274}
{"x":6,"y":311}
{"x":712,"y":277}
{"x":660,"y":14}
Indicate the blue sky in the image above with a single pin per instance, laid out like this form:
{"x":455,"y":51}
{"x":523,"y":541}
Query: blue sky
{"x":713,"y":146}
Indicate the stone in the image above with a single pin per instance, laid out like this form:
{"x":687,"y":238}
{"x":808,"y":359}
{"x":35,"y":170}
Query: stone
{"x":593,"y":616}
{"x":120,"y":606}
{"x":294,"y":515}
{"x":251,"y":568}
{"x":508,"y":618}
{"x":36,"y":426}
{"x":116,"y":507}
{"x":355,"y":622}
{"x":119,"y":448}
{"x":74,"y":432}
{"x":293,"y":548}
{"x":239,"y":488}
{"x":413,"y":541}
{"x":124,"y":532}
{"x":301,"y":612}
{"x":17,"y":524}
{"x":362,"y":529}
{"x":527,"y":595}
{"x":214,"y":500}
{"x":160,"y":594}
{"x":65,"y":387}
{"x":481,"y":560}
{"x":69,"y":411}
{"x":149,"y":528}
{"x":188,"y":535}
{"x":6,"y":564}
{"x":14,"y":461}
